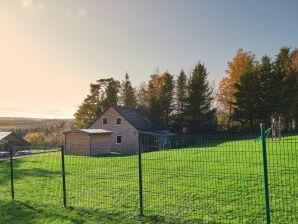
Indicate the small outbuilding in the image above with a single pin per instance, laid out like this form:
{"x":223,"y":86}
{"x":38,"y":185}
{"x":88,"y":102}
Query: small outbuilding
{"x":12,"y":141}
{"x":87,"y":142}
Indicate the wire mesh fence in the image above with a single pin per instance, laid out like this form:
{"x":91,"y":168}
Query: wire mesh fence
{"x":283,"y":179}
{"x":107,"y":182}
{"x":36,"y":174}
{"x":184,"y":179}
{"x":204,"y":179}
{"x":5,"y":185}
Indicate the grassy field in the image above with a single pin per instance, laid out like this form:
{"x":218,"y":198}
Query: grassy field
{"x":212,"y":182}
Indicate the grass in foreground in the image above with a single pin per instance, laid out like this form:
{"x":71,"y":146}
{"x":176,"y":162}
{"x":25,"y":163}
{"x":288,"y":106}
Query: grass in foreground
{"x":22,"y":213}
{"x":214,"y":182}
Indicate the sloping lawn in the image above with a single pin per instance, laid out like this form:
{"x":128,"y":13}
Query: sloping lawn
{"x":210,"y":182}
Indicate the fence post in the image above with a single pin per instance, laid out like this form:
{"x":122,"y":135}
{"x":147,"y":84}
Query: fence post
{"x":267,"y":201}
{"x":140,"y":176}
{"x":11,"y":173}
{"x":63,"y":176}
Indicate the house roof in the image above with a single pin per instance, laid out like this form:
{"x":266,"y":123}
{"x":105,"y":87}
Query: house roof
{"x":140,"y":119}
{"x":3,"y":135}
{"x":90,"y":131}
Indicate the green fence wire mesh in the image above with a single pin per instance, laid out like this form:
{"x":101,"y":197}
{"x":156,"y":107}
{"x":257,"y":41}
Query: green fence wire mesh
{"x":183,"y":179}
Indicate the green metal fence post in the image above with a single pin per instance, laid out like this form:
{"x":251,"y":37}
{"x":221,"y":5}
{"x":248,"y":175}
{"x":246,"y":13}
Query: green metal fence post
{"x":11,"y":173}
{"x":63,"y":176}
{"x":140,"y":177}
{"x":266,"y":188}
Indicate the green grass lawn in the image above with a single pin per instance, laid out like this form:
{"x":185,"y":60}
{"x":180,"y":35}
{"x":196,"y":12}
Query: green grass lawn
{"x":212,"y":182}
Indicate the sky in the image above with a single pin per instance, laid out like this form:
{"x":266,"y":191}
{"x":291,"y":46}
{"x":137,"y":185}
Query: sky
{"x":51,"y":50}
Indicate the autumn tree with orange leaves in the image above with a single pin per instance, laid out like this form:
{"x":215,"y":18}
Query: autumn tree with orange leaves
{"x":227,"y":90}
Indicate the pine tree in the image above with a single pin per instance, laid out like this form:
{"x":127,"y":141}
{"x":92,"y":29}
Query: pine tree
{"x":287,"y":68}
{"x":247,"y":98}
{"x":142,"y":97}
{"x":268,"y":100}
{"x":154,"y":90}
{"x":180,"y":98}
{"x":110,"y":97}
{"x":200,"y":116}
{"x":166,"y":98}
{"x":128,"y":93}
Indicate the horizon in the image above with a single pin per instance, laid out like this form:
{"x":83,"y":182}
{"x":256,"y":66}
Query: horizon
{"x":52,"y":50}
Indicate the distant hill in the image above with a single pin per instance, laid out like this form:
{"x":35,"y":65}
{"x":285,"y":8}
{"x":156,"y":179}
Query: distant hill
{"x":9,"y":123}
{"x":51,"y":130}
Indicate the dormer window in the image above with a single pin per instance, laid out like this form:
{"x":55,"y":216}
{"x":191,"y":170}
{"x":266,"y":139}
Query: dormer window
{"x":104,"y":121}
{"x":118,"y":121}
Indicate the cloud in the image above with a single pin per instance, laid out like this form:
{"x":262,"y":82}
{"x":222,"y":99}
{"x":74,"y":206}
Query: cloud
{"x":26,"y":3}
{"x":82,"y":12}
{"x":29,"y":5}
{"x":69,"y":14}
{"x":41,"y":6}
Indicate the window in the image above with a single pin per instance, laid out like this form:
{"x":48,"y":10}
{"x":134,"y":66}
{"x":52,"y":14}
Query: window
{"x":104,"y":121}
{"x":118,"y":121}
{"x":119,"y":140}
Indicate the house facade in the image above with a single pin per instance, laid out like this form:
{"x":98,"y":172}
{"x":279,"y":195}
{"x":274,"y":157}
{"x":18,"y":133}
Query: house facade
{"x":124,"y":137}
{"x":124,"y":126}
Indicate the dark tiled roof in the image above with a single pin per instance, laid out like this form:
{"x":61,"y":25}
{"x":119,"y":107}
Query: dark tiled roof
{"x":140,"y":119}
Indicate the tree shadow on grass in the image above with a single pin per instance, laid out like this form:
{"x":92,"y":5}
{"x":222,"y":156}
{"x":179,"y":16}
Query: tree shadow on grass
{"x":15,"y":212}
{"x":22,"y":172}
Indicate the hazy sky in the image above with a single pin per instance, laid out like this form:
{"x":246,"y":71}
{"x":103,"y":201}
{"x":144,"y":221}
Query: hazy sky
{"x":51,"y":50}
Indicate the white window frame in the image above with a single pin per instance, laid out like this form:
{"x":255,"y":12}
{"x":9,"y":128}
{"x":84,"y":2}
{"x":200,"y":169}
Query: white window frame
{"x":102,"y":121}
{"x":116,"y":121}
{"x":117,"y":139}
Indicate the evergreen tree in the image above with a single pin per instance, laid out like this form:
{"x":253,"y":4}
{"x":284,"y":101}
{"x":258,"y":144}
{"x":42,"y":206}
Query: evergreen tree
{"x":287,"y":67}
{"x":142,"y":97}
{"x":181,"y":97}
{"x":247,"y":98}
{"x":200,"y":115}
{"x":166,"y":97}
{"x":154,"y":91}
{"x":128,"y":93}
{"x":267,"y":101}
{"x":110,"y":97}
{"x":294,"y":86}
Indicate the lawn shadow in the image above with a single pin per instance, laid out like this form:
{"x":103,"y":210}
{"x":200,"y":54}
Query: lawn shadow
{"x":19,"y":212}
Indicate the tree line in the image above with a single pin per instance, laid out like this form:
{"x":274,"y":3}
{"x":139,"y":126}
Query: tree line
{"x":256,"y":91}
{"x":44,"y":132}
{"x":251,"y":92}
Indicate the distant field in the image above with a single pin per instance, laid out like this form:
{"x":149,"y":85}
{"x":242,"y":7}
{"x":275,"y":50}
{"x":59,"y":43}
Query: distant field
{"x":8,"y":123}
{"x":214,"y":182}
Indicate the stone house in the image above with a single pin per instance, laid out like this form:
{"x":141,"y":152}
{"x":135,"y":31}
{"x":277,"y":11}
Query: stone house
{"x":12,"y":141}
{"x":116,"y":130}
